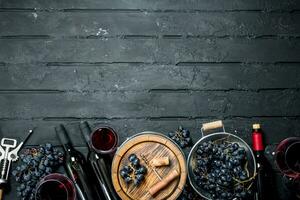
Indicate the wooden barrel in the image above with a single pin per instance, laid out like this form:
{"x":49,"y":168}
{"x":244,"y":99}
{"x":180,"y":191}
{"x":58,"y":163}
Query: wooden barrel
{"x":151,"y":145}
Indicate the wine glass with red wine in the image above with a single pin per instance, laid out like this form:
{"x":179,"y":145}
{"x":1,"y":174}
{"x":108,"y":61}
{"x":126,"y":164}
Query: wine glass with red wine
{"x":104,"y":140}
{"x":55,"y":186}
{"x":288,"y":161}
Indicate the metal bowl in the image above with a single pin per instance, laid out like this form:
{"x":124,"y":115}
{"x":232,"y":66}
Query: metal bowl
{"x":191,"y":162}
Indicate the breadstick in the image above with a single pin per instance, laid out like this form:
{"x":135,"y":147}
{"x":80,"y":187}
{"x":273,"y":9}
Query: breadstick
{"x":158,"y":162}
{"x":163,"y":183}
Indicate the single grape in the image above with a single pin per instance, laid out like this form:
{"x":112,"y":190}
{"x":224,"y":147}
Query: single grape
{"x":48,"y":170}
{"x":46,"y":163}
{"x":140,"y":177}
{"x":123,"y":173}
{"x":185,"y":133}
{"x":50,"y":157}
{"x":235,"y":146}
{"x":141,"y":170}
{"x":14,"y":172}
{"x":48,"y":146}
{"x":128,"y":179}
{"x":132,"y":157}
{"x":136,"y":162}
{"x":128,"y":169}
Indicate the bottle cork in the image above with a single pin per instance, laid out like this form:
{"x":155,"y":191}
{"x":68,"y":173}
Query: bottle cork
{"x":256,"y":126}
{"x":158,"y":162}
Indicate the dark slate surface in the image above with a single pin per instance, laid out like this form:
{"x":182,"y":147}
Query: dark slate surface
{"x":150,"y":65}
{"x":208,"y":5}
{"x":87,"y":24}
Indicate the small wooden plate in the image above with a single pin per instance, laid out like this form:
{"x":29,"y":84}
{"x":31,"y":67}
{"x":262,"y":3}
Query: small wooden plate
{"x":152,"y":145}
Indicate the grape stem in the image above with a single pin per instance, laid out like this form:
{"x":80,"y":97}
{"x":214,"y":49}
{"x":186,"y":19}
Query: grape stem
{"x":224,"y":138}
{"x":245,"y":181}
{"x":178,"y":133}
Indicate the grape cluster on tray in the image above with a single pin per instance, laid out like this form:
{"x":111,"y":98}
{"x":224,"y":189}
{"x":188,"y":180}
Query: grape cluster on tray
{"x":134,"y":172}
{"x":35,"y":164}
{"x":181,"y":136}
{"x":221,"y":170}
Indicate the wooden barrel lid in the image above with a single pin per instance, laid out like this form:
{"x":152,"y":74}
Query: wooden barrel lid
{"x":152,"y":145}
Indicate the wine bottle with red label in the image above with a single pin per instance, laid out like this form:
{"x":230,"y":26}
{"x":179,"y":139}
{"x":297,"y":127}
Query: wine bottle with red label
{"x":262,"y":165}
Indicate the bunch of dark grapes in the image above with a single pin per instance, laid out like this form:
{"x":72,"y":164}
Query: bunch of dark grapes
{"x":135,"y":172}
{"x":221,"y":170}
{"x":189,"y":193}
{"x":181,"y":136}
{"x":35,"y":164}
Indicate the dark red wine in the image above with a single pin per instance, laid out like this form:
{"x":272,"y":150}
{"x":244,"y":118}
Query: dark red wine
{"x":55,"y":186}
{"x":288,"y":161}
{"x":287,"y":157}
{"x":292,"y":157}
{"x":52,"y":190}
{"x":104,"y":140}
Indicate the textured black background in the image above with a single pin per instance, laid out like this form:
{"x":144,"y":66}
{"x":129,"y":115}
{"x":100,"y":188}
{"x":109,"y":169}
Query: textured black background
{"x":149,"y":65}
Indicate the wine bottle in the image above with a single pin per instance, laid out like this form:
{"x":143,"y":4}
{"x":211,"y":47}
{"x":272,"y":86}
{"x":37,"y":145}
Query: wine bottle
{"x":258,"y":150}
{"x":76,"y":167}
{"x":99,"y":166}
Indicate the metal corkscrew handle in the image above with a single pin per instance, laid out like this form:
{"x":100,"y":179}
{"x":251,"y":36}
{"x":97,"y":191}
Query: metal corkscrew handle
{"x":7,"y":157}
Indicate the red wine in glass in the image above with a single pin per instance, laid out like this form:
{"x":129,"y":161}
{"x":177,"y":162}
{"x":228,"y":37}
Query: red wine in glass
{"x":292,"y":157}
{"x":55,"y":187}
{"x":288,"y":161}
{"x":287,"y":157}
{"x":104,"y":140}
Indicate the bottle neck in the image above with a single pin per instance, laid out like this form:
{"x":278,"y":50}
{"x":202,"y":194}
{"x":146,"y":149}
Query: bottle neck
{"x":68,"y":147}
{"x":64,"y":138}
{"x":86,"y":131}
{"x":257,"y":140}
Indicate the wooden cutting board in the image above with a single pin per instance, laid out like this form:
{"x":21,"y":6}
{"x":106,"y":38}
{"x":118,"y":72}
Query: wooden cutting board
{"x":152,"y":145}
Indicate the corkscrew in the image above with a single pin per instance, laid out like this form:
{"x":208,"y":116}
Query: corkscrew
{"x":7,"y":157}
